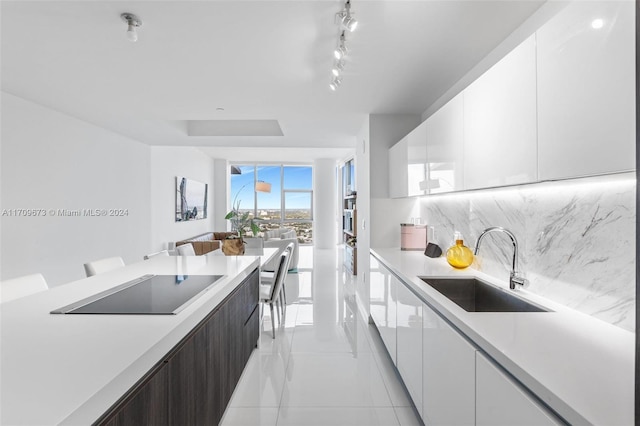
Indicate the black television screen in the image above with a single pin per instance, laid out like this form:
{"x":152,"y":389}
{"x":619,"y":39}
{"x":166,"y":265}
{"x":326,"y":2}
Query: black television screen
{"x":191,"y":199}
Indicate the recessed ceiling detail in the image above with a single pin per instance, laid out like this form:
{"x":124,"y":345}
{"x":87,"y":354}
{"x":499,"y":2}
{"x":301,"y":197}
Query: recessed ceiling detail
{"x":234,"y":128}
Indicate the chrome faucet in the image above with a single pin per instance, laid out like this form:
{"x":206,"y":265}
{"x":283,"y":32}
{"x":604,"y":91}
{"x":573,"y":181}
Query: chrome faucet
{"x":514,"y":278}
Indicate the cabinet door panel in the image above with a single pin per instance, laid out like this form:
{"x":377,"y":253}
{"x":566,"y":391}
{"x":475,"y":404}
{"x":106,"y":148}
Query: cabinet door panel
{"x":444,"y":147}
{"x":219,"y":372}
{"x":409,"y":342}
{"x":448,"y":375}
{"x":416,"y":160}
{"x":189,"y":399}
{"x":250,"y":316}
{"x":251,"y":334}
{"x":382,"y":304}
{"x":501,"y":401}
{"x":500,"y":122}
{"x":586,"y":90}
{"x":148,"y":406}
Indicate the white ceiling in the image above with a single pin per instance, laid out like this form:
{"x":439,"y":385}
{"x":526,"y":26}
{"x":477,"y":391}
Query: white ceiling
{"x":259,"y":60}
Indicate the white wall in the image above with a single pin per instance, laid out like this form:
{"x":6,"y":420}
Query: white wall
{"x":385,"y":131}
{"x":324,"y":203}
{"x":387,"y":214}
{"x":166,"y":164}
{"x":220,"y":194}
{"x":53,"y":161}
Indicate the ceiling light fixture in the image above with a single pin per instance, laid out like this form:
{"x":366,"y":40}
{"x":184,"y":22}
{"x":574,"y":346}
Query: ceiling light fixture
{"x":598,"y":23}
{"x":262,"y":186}
{"x":348,"y":22}
{"x":335,"y":83}
{"x":133,"y":22}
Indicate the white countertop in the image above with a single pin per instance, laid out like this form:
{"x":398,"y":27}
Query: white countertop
{"x":69,"y":369}
{"x":580,"y":366}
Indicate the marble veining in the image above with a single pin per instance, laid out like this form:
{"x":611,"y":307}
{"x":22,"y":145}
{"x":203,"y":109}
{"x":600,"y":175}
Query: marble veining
{"x":576,"y":239}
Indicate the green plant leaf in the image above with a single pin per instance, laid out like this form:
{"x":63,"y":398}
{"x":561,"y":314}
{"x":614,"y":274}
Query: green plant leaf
{"x":255,"y":229}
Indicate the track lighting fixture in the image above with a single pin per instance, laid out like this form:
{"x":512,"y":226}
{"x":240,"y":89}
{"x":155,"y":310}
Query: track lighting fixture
{"x":133,"y":22}
{"x":341,"y":49}
{"x":348,"y":22}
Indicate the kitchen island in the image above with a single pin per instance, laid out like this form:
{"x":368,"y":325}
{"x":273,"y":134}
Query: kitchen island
{"x":505,"y":367}
{"x":72,"y":369}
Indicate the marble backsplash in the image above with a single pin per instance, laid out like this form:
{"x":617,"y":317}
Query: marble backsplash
{"x":576,"y":239}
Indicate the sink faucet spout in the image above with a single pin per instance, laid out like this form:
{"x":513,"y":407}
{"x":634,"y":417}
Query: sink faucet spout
{"x":514,"y":278}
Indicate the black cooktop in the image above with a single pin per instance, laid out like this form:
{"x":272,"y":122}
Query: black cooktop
{"x":146,"y":295}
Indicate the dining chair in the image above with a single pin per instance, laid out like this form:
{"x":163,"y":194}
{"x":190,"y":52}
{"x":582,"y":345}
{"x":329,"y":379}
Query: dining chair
{"x":22,"y":286}
{"x":271,"y":293}
{"x":266,"y":278}
{"x":159,"y":253}
{"x":185,"y":250}
{"x":103,"y":265}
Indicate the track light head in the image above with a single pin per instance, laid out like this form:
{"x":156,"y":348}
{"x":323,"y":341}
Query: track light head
{"x":341,"y":49}
{"x":337,"y":69}
{"x":347,"y":21}
{"x":133,"y":22}
{"x":335,"y":83}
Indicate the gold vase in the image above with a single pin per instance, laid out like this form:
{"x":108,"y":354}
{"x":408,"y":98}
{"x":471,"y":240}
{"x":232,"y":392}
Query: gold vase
{"x":459,"y":256}
{"x":233,"y":247}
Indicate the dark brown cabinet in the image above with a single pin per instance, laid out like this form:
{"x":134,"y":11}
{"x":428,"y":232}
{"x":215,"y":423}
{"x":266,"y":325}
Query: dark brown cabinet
{"x":147,"y":405}
{"x":195,"y":381}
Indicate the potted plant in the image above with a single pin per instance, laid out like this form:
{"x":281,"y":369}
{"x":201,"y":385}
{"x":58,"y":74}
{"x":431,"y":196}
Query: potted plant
{"x":241,"y":223}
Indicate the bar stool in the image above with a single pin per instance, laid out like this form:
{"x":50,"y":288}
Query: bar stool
{"x":103,"y":265}
{"x":22,"y":286}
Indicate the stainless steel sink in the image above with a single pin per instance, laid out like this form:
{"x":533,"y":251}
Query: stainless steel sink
{"x":474,"y":295}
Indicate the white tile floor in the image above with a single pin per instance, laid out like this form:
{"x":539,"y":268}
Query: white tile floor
{"x":326,"y":365}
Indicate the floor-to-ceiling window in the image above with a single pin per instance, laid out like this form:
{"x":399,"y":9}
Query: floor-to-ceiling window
{"x":288,"y":202}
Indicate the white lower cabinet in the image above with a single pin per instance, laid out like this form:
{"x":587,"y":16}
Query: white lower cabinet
{"x":502,"y":401}
{"x":449,"y":380}
{"x":448,"y":376}
{"x":382,"y":304}
{"x":409,"y":349}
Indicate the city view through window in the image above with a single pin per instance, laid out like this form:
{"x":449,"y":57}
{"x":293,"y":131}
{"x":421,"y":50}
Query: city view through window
{"x":288,"y":205}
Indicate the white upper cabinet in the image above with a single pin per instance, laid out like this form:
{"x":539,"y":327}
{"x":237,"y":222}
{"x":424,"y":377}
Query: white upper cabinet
{"x":444,"y":148}
{"x":417,"y":160}
{"x":500,"y":122}
{"x":407,"y":164}
{"x":586,"y":90}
